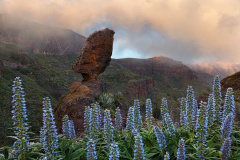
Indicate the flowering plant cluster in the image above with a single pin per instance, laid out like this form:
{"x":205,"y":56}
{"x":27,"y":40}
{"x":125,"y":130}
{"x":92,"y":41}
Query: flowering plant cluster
{"x":68,"y":128}
{"x":50,"y":141}
{"x":108,"y":127}
{"x":88,"y":121}
{"x":91,"y":150}
{"x":96,"y":120}
{"x":166,"y":156}
{"x":138,"y":149}
{"x":183,"y":117}
{"x":160,"y":137}
{"x":156,"y":142}
{"x":181,"y":150}
{"x":190,"y":108}
{"x":130,"y":120}
{"x":201,"y":129}
{"x":211,"y":110}
{"x":92,"y":120}
{"x":114,"y":152}
{"x":149,"y":113}
{"x":118,"y":120}
{"x":229,"y":105}
{"x":19,"y":118}
{"x":227,"y":126}
{"x":226,"y":148}
{"x":169,"y":125}
{"x":218,"y":98}
{"x":137,"y":115}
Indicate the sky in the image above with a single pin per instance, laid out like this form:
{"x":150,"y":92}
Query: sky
{"x":191,"y":31}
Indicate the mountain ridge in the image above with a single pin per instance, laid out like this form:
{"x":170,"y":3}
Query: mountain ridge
{"x":38,"y":38}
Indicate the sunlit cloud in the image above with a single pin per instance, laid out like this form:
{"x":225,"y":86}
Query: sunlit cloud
{"x":186,"y":30}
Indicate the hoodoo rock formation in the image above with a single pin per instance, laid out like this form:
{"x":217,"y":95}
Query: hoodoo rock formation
{"x":93,"y":60}
{"x":95,"y":55}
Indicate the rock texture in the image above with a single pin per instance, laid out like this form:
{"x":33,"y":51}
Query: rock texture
{"x":95,"y":55}
{"x":73,"y":104}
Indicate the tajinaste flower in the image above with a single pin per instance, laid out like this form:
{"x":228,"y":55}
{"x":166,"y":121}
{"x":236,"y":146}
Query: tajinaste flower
{"x":229,"y":105}
{"x":88,"y":121}
{"x":91,"y":150}
{"x":160,"y":137}
{"x":99,"y":115}
{"x":227,"y":126}
{"x":183,"y":113}
{"x":226,"y":148}
{"x":169,"y":125}
{"x":41,"y":135}
{"x":218,"y":98}
{"x":130,"y":120}
{"x":66,"y":128}
{"x":167,"y":156}
{"x":190,"y":108}
{"x":201,"y":129}
{"x":164,"y":107}
{"x":20,"y":118}
{"x":114,"y":152}
{"x":135,"y":132}
{"x":108,"y":128}
{"x":181,"y":150}
{"x":137,"y":115}
{"x":72,"y":130}
{"x":138,"y":148}
{"x":164,"y":111}
{"x":118,"y":120}
{"x":95,"y":121}
{"x":149,"y":113}
{"x":211,"y":110}
{"x":50,"y":132}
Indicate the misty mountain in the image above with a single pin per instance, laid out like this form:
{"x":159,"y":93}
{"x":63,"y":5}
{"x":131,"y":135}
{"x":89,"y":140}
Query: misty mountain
{"x":221,"y":69}
{"x":38,"y":38}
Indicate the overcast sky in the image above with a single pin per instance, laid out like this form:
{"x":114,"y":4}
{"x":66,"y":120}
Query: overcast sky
{"x":185,"y":30}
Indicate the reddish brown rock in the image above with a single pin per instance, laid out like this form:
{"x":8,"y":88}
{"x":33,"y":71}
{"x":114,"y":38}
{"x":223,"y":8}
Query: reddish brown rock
{"x":73,"y":104}
{"x":95,"y":55}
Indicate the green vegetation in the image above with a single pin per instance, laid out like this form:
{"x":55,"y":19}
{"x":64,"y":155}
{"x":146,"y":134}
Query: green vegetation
{"x":43,"y":76}
{"x":143,"y":143}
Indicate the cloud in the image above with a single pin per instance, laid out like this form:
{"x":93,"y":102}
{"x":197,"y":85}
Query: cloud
{"x":187,"y":30}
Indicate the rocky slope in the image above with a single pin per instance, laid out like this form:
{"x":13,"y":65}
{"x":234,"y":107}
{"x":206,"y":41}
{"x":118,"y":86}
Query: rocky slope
{"x":37,"y":38}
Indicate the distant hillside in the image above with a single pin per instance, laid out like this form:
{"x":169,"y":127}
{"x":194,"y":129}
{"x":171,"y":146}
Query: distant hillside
{"x":221,"y":69}
{"x":153,"y":78}
{"x":37,"y":38}
{"x":233,"y":81}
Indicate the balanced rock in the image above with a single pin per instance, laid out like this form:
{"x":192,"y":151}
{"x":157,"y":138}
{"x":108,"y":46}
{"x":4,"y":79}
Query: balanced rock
{"x":95,"y":55}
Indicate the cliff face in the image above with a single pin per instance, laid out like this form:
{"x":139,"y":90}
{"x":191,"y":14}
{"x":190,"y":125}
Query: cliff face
{"x":39,"y":39}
